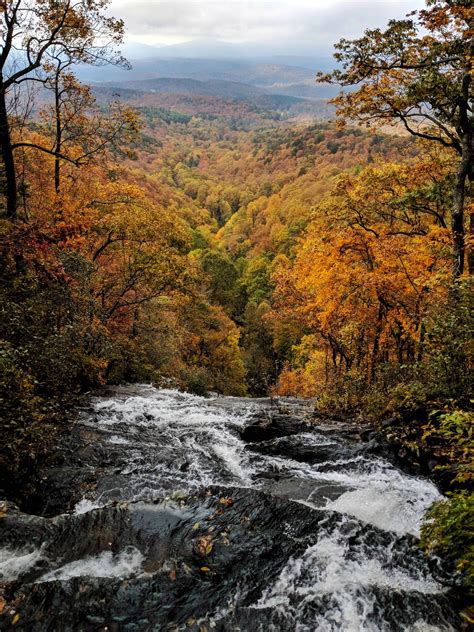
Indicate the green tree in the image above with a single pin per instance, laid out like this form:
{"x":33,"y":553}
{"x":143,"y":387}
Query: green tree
{"x":223,"y":277}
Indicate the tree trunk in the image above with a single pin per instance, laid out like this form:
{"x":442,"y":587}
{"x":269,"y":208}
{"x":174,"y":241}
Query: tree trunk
{"x":470,"y":261}
{"x":457,"y":218}
{"x":58,"y":145}
{"x":374,"y":358}
{"x":6,"y":152}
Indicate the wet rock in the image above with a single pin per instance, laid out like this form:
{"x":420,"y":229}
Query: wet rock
{"x":183,"y":465}
{"x":302,"y":448}
{"x":73,"y":468}
{"x":190,"y":560}
{"x":316,"y":493}
{"x":390,"y":422}
{"x":62,"y":487}
{"x":272,"y":425}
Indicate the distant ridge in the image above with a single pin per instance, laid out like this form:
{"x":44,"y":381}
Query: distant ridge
{"x":305,"y":52}
{"x":260,"y":73}
{"x":217,"y":87}
{"x":230,"y":89}
{"x":223,"y":73}
{"x":190,"y":92}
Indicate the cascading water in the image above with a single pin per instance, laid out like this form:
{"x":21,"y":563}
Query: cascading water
{"x":308,"y":532}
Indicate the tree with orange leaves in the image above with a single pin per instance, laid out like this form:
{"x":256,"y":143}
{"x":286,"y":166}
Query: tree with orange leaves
{"x":371,"y":263}
{"x":34,"y":34}
{"x":418,"y":72}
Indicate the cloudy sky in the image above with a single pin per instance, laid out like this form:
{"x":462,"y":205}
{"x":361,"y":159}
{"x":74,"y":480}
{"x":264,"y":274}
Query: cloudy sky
{"x":289,"y":23}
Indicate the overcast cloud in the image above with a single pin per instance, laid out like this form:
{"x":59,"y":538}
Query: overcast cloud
{"x":285,"y":22}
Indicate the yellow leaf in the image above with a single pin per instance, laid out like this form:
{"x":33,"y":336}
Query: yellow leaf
{"x":205,"y":569}
{"x":228,"y":502}
{"x":204,"y":545}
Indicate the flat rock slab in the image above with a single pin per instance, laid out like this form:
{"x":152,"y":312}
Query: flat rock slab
{"x":317,"y":493}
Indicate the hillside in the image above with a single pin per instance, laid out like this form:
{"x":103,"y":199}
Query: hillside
{"x":275,"y":78}
{"x":276,"y":83}
{"x":215,"y":87}
{"x":216,"y":98}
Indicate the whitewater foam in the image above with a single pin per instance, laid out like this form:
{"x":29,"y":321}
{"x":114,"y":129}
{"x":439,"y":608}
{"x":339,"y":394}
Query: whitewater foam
{"x":180,"y":441}
{"x":125,"y":564}
{"x":193,"y":442}
{"x":329,"y":571}
{"x":15,"y":563}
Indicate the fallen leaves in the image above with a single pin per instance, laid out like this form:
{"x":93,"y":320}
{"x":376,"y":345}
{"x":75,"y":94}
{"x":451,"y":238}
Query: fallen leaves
{"x":204,"y":545}
{"x":228,"y":502}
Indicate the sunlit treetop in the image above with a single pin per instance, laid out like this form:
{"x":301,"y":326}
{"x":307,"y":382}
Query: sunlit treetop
{"x":417,"y":72}
{"x":31,"y":31}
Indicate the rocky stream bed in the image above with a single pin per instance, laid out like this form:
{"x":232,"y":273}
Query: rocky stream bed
{"x":168,"y":511}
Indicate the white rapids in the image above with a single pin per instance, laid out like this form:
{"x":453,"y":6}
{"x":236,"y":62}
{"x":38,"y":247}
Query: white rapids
{"x":181,"y":441}
{"x":14,"y":563}
{"x":125,"y":564}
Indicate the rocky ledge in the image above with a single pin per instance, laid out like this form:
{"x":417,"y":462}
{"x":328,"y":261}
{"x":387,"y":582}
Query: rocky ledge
{"x":200,"y":562}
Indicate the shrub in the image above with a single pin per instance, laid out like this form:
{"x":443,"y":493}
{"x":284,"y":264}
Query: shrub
{"x":450,"y":435}
{"x":196,"y":380}
{"x":409,"y":400}
{"x":25,"y":428}
{"x":449,"y":345}
{"x":448,"y":531}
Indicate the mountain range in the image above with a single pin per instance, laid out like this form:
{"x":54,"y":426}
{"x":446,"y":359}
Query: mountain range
{"x":216,"y":69}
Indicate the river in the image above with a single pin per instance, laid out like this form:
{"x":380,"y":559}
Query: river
{"x":193,"y":523}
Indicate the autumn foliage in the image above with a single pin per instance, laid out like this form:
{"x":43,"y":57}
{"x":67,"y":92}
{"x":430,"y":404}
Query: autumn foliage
{"x":209,"y":245}
{"x":374,"y":260}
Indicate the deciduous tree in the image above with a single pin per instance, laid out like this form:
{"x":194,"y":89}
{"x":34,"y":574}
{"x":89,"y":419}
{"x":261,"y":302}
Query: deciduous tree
{"x":418,"y":73}
{"x":32,"y":34}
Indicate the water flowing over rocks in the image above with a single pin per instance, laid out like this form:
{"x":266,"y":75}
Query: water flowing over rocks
{"x":220,"y":514}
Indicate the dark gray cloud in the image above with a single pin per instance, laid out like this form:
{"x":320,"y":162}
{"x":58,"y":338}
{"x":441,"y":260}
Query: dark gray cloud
{"x":241,"y":20}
